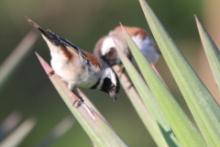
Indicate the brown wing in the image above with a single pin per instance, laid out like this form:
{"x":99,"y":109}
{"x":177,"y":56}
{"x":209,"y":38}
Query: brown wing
{"x":56,"y":40}
{"x":132,"y":30}
{"x":92,"y":59}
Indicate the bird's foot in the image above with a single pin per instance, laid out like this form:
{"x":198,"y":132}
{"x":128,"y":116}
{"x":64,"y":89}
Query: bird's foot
{"x":79,"y":101}
{"x":121,"y":71}
{"x":129,"y":86}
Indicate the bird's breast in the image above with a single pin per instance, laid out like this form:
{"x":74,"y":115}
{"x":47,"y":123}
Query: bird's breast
{"x":74,"y":73}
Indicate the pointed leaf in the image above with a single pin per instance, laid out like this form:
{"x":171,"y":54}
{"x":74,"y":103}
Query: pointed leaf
{"x":87,"y":115}
{"x":199,"y":100}
{"x":211,"y":50}
{"x":183,"y":128}
{"x":150,"y":103}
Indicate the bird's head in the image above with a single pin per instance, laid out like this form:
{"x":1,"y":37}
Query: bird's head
{"x":109,"y":83}
{"x":106,"y":48}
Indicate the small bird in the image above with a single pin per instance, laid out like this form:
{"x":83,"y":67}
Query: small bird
{"x":106,"y":46}
{"x":76,"y":67}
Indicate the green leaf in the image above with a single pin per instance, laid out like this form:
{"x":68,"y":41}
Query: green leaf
{"x":199,"y":100}
{"x":150,"y":110}
{"x":211,"y":51}
{"x":186,"y":133}
{"x":94,"y":124}
{"x":142,"y":108}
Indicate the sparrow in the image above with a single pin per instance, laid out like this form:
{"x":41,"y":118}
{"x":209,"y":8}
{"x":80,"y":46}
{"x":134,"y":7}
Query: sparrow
{"x":77,"y":67}
{"x":105,"y":47}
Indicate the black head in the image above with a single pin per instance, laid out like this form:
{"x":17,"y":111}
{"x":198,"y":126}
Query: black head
{"x":108,"y":86}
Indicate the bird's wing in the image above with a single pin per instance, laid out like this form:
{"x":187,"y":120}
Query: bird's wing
{"x":84,"y":57}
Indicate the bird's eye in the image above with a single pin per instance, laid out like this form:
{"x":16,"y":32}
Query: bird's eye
{"x":111,"y":52}
{"x":112,"y":48}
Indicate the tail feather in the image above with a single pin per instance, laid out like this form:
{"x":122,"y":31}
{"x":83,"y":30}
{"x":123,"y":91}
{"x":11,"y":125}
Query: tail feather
{"x":53,"y":37}
{"x":32,"y":23}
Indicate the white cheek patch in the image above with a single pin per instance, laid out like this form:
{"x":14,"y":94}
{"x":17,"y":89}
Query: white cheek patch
{"x":111,"y":75}
{"x":108,"y":73}
{"x":108,"y":43}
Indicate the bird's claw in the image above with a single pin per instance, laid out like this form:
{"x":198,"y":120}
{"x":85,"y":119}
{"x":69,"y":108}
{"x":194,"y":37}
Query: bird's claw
{"x":78,"y":102}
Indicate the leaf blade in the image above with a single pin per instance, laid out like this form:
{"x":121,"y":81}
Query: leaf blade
{"x":149,"y":104}
{"x":91,"y":120}
{"x":199,"y":100}
{"x":183,"y":128}
{"x":211,"y":51}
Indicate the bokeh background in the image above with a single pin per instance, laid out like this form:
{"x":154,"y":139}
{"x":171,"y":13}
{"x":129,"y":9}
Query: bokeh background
{"x":30,"y":92}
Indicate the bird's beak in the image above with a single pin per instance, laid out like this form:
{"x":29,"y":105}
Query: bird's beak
{"x":112,"y":94}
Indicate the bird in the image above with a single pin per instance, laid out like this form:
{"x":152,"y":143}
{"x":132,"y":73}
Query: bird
{"x":106,"y":46}
{"x":77,"y":67}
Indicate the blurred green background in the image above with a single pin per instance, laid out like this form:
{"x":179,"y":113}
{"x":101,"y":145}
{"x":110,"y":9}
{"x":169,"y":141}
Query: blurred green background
{"x":83,"y":22}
